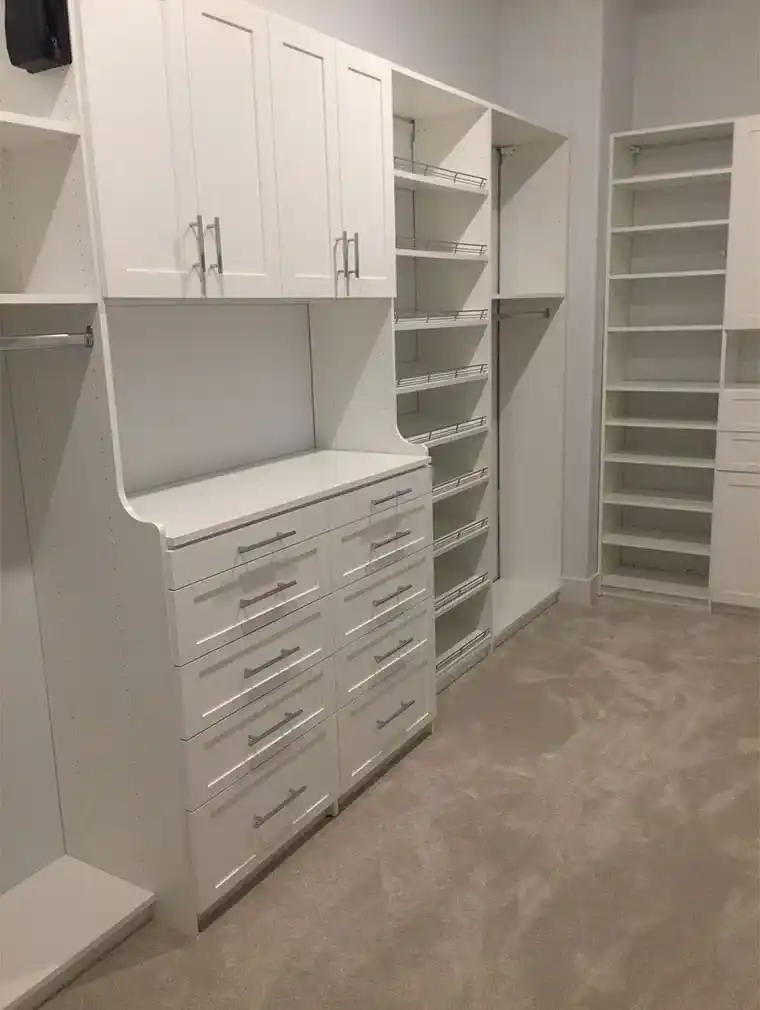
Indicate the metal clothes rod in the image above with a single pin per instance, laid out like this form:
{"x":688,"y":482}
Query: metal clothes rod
{"x":532,"y":314}
{"x":40,"y":341}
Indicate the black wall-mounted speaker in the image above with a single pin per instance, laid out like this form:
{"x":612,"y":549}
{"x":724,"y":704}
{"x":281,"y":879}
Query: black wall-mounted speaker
{"x":37,"y":34}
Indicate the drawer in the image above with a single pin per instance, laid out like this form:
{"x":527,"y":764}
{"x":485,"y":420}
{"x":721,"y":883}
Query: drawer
{"x":223,"y":682}
{"x":364,"y":606}
{"x":375,"y":543}
{"x":738,"y":451}
{"x":224,"y":753}
{"x":376,"y":725}
{"x":221,"y":609}
{"x":243,"y":545}
{"x":739,"y":410}
{"x":361,"y":665}
{"x":231,"y":835}
{"x":385,"y":494}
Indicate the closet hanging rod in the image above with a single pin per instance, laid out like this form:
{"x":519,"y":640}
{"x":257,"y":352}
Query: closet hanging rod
{"x":38,"y":341}
{"x":530,"y":314}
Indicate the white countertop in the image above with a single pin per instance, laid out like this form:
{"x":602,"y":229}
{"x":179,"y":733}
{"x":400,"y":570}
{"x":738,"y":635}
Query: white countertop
{"x":209,"y":505}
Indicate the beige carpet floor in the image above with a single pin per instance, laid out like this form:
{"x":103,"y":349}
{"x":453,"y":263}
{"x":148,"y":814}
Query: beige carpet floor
{"x":580,"y":832}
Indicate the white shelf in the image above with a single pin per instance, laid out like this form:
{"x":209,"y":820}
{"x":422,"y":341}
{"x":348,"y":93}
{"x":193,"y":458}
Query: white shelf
{"x":444,"y":320}
{"x":460,"y":590}
{"x":17,"y":131}
{"x":59,"y":921}
{"x":713,"y":328}
{"x":674,"y":179}
{"x":460,"y":483}
{"x":538,"y":296}
{"x":656,"y":541}
{"x":669,"y":275}
{"x":466,"y":644}
{"x":662,"y":386}
{"x":210,"y":505}
{"x":417,"y":181}
{"x":417,"y":380}
{"x":677,"y":226}
{"x":654,"y":459}
{"x":423,"y":430}
{"x":689,"y":133}
{"x":449,"y":535}
{"x":685,"y":585}
{"x":11,"y":299}
{"x":517,"y":601}
{"x":662,"y":423}
{"x":433,"y":254}
{"x":653,"y":500}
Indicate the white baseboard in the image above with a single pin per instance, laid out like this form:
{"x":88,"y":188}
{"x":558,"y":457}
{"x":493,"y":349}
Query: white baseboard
{"x":580,"y":592}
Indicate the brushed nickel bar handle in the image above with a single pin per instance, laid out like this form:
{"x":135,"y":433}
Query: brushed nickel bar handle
{"x":291,"y":798}
{"x":279,"y":588}
{"x":356,"y":256}
{"x":392,"y":596}
{"x":391,"y":497}
{"x":399,"y":648}
{"x":266,"y":543}
{"x":285,"y":654}
{"x":289,"y":717}
{"x":405,"y":706}
{"x":343,"y":240}
{"x":200,"y":239}
{"x":391,"y":540}
{"x":216,"y":227}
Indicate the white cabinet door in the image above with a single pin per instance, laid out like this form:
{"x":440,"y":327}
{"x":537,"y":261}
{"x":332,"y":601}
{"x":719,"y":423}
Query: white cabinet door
{"x":134,"y":59}
{"x":230,"y":93}
{"x":735,"y":566}
{"x":307,"y":158}
{"x":365,"y":117}
{"x":742,"y":287}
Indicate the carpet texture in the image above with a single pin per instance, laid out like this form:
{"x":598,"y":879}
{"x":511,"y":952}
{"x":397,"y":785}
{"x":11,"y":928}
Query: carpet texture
{"x":581,"y":831}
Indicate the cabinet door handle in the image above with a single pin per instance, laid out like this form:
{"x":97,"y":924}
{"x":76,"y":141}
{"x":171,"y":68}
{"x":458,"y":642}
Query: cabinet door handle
{"x":279,"y":588}
{"x":216,"y":227}
{"x":266,"y":543}
{"x":405,"y":706}
{"x":356,"y":271}
{"x":289,"y":717}
{"x":392,"y":596}
{"x":292,"y":796}
{"x":399,"y":648}
{"x":343,"y":242}
{"x":285,"y":654}
{"x":200,"y":239}
{"x":391,"y":540}
{"x":391,"y":497}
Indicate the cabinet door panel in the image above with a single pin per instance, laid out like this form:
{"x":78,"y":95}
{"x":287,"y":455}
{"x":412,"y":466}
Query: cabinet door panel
{"x":366,"y":168}
{"x":742,"y":289}
{"x":735,"y":567}
{"x":144,"y":173}
{"x":307,"y":160}
{"x":228,"y":64}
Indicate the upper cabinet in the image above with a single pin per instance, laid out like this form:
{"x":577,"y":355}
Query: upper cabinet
{"x":250,"y":158}
{"x":742,"y":287}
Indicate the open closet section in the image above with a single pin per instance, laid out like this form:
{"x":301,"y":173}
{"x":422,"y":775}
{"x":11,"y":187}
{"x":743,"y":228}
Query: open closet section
{"x":670,"y":205}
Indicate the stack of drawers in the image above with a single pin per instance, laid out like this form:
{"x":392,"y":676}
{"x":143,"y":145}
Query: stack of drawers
{"x":305,"y":648}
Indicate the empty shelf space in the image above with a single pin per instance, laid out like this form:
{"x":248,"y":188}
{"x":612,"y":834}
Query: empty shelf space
{"x":422,"y":430}
{"x":652,"y":540}
{"x":653,"y":500}
{"x":452,"y":486}
{"x":466,"y":643}
{"x":655,"y":459}
{"x":684,"y":424}
{"x":411,"y":174}
{"x":662,"y":386}
{"x":666,"y":329}
{"x":454,"y":590}
{"x":664,"y":583}
{"x":427,"y":248}
{"x":516,"y":601}
{"x":675,"y":226}
{"x":418,"y":378}
{"x":18,"y":130}
{"x":453,"y":533}
{"x":668,"y":275}
{"x":442,"y":320}
{"x":666,"y":179}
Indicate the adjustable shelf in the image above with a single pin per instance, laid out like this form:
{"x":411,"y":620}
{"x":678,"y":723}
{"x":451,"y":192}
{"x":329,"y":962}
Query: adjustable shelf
{"x":433,"y":248}
{"x":419,"y":380}
{"x":453,"y":319}
{"x":655,"y":541}
{"x":668,"y":275}
{"x":466,"y":644}
{"x":671,"y":502}
{"x":453,"y":486}
{"x":680,"y":328}
{"x":683,"y":424}
{"x":419,"y":175}
{"x":655,"y":459}
{"x":686,"y":585}
{"x":450,"y":598}
{"x":423,"y":430}
{"x":19,"y":131}
{"x":448,"y":539}
{"x":662,"y":386}
{"x":662,"y":180}
{"x":670,"y":227}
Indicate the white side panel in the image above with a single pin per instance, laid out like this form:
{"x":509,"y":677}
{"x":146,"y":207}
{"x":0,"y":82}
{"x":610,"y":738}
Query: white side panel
{"x":742,"y":288}
{"x":230,"y":90}
{"x":144,"y":173}
{"x":30,"y":825}
{"x":365,"y":106}
{"x":245,"y":395}
{"x":304,"y":94}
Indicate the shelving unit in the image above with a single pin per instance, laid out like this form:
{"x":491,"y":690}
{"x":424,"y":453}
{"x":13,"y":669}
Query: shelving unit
{"x":670,"y":200}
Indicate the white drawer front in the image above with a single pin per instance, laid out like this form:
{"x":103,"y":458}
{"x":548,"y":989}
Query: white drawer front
{"x":739,"y":410}
{"x":232,"y":834}
{"x":382,"y":496}
{"x":381,"y":721}
{"x":363,"y":664}
{"x":223,"y":682}
{"x":241,"y":546}
{"x":739,"y":451}
{"x":735,"y":564}
{"x":373,"y":544}
{"x":225,"y":752}
{"x":367,"y":605}
{"x":219,"y":610}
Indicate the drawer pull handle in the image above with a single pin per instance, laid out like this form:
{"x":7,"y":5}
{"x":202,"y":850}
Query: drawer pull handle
{"x":405,"y":706}
{"x":267,"y":543}
{"x":290,"y":798}
{"x":279,"y":588}
{"x":391,"y":540}
{"x":399,"y":648}
{"x":392,"y":596}
{"x":289,"y":717}
{"x":285,"y":654}
{"x":392,"y":497}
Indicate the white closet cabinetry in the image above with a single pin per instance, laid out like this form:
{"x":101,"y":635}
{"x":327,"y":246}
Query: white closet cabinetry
{"x":742,"y":288}
{"x":333,"y":138}
{"x":735,"y":576}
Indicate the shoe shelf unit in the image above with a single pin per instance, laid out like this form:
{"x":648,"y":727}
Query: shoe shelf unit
{"x":443,"y":346}
{"x":670,"y":202}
